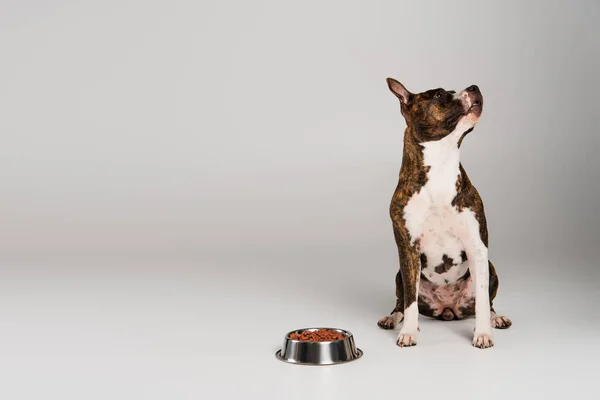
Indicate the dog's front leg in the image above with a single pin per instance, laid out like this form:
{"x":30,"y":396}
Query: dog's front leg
{"x":410,"y":270}
{"x":479,"y":270}
{"x":477,"y":254}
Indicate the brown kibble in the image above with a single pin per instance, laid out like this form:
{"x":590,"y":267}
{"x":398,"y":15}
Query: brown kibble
{"x":320,"y":335}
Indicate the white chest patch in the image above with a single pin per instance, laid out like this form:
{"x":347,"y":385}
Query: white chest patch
{"x":430,"y":216}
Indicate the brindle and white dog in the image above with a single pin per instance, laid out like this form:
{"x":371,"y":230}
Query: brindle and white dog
{"x":438,"y":219}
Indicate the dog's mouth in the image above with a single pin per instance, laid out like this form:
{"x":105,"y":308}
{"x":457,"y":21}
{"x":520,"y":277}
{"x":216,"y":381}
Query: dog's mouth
{"x":472,"y":101}
{"x":476,"y":108}
{"x":476,"y":104}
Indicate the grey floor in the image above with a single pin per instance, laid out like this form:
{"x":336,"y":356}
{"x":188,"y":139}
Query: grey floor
{"x":210,"y":330}
{"x":248,"y":151}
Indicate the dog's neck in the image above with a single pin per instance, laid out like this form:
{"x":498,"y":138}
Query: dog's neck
{"x":433,"y":164}
{"x":443,"y":152}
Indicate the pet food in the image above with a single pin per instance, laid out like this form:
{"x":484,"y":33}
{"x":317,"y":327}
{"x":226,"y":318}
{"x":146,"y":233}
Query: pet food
{"x":320,"y":335}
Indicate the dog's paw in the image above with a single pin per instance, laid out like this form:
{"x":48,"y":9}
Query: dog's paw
{"x":482,"y":340}
{"x":390,"y":321}
{"x":406,"y":339}
{"x":386,"y":323}
{"x":499,"y":322}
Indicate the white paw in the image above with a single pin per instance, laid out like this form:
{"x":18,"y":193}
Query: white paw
{"x":499,"y":322}
{"x":483,"y":340}
{"x":406,"y":339}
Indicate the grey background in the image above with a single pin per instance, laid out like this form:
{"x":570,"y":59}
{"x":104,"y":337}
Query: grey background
{"x":183,"y":182}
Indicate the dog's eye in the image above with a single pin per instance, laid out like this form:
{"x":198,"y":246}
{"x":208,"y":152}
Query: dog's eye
{"x":438,"y":94}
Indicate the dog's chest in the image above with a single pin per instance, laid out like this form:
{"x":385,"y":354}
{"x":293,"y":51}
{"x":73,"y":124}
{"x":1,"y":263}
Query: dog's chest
{"x":430,"y":217}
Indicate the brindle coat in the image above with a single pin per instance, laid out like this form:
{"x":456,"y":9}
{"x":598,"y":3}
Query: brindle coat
{"x":431,"y":116}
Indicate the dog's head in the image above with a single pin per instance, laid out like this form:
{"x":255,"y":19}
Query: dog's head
{"x":436,"y":113}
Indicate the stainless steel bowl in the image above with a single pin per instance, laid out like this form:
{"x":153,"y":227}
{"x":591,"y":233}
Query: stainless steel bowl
{"x":319,"y":353}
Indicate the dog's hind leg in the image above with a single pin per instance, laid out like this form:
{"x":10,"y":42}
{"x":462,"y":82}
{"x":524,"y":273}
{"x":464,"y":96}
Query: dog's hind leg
{"x":392,"y":320}
{"x":498,"y":322}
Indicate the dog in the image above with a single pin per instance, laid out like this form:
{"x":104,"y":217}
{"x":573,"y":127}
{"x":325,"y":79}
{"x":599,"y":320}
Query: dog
{"x":439,"y":221}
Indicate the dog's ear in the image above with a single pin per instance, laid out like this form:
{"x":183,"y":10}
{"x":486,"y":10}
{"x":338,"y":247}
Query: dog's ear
{"x":399,"y":90}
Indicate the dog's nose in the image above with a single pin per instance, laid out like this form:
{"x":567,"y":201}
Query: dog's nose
{"x":473,"y":88}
